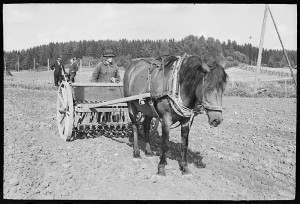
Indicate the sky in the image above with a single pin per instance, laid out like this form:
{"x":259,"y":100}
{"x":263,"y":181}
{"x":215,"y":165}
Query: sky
{"x":29,"y":25}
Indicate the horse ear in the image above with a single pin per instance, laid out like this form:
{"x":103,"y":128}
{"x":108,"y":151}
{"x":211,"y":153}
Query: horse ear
{"x":205,"y":68}
{"x":221,"y":60}
{"x":222,"y":63}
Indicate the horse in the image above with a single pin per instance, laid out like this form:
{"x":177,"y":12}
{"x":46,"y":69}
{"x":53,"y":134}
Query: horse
{"x":200,"y":87}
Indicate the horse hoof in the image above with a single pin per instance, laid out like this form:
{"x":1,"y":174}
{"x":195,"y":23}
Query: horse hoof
{"x":185,"y":171}
{"x":161,"y":170}
{"x":149,"y":154}
{"x":161,"y":173}
{"x":135,"y":156}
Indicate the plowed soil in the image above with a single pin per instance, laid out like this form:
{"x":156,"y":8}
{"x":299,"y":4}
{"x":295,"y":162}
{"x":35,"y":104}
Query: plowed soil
{"x":251,"y":155}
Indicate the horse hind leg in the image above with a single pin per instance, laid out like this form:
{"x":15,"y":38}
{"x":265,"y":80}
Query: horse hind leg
{"x":132,"y":110}
{"x":147,"y":123}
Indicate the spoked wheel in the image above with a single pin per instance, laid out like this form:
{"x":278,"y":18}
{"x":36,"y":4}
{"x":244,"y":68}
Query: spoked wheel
{"x":65,"y":110}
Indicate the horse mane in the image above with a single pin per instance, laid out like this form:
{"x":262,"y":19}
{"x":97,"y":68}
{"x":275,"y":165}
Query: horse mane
{"x":190,"y":73}
{"x":169,"y":60}
{"x":217,"y":78}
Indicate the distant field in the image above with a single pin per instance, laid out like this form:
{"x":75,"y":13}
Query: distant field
{"x":286,"y":70}
{"x":237,"y":74}
{"x":83,"y":75}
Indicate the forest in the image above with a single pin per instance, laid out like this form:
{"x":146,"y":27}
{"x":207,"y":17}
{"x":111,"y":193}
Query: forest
{"x":91,"y":51}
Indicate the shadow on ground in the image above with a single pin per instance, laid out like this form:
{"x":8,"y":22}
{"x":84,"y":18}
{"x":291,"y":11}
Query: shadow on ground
{"x":155,"y":142}
{"x":174,"y":150}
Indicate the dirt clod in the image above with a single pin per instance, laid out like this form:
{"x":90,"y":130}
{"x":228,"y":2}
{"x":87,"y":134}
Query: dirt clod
{"x":13,"y":181}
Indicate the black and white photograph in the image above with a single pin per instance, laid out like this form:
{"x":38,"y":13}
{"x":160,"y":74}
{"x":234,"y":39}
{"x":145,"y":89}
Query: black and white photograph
{"x":149,"y":101}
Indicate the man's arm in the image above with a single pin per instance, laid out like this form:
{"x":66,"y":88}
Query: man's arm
{"x":95,"y":74}
{"x":63,"y":68}
{"x":52,"y":66}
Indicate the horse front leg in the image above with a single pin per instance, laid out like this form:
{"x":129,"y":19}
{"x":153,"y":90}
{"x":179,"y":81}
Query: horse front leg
{"x":147,"y":123}
{"x":166,"y":124}
{"x":183,"y":164}
{"x":132,"y":110}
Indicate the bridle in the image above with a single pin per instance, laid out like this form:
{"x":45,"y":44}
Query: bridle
{"x":204,"y":106}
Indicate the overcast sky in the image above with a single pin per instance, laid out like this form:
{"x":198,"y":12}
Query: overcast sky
{"x":29,"y":25}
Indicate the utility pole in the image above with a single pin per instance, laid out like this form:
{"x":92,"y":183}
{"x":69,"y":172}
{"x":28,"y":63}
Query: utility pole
{"x":250,"y":50}
{"x":4,"y":65}
{"x":285,"y":54}
{"x":34,"y":63}
{"x":18,"y":64}
{"x":260,"y":49}
{"x":48,"y":64}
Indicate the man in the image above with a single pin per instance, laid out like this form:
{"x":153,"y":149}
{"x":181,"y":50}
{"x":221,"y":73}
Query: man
{"x":59,"y":70}
{"x":73,"y":69}
{"x":106,"y":71}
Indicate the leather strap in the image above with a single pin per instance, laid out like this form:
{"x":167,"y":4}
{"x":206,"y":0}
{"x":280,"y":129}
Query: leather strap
{"x":153,"y":109}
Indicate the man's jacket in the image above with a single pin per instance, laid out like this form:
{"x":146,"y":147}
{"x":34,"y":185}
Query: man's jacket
{"x":73,"y":68}
{"x":57,"y":68}
{"x":103,"y":72}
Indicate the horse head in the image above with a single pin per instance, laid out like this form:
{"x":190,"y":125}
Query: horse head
{"x":203,"y":86}
{"x":209,"y":92}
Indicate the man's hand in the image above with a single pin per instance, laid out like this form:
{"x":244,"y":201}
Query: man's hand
{"x":113,"y":80}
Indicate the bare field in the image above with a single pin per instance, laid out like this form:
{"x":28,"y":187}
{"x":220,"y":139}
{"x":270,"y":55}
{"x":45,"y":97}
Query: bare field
{"x":250,"y":156}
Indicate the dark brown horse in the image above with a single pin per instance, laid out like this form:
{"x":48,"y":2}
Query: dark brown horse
{"x":200,"y":86}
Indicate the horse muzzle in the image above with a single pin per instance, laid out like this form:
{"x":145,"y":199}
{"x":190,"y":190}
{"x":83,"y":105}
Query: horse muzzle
{"x":214,"y":117}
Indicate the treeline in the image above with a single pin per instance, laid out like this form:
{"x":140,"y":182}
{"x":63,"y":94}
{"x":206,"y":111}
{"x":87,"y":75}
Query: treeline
{"x":126,"y":50}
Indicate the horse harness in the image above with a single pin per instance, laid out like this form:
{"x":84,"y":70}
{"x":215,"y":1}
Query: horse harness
{"x":173,"y":92}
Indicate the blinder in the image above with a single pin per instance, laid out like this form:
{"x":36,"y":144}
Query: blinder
{"x":204,"y":106}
